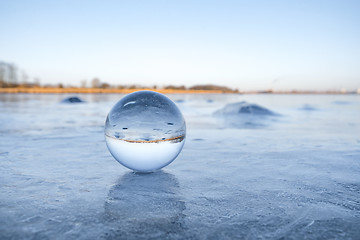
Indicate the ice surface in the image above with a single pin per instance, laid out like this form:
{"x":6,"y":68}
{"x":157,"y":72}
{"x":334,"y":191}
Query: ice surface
{"x":145,"y":131}
{"x":296,"y":178}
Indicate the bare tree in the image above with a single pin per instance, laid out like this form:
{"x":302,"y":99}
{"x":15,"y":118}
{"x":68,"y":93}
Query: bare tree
{"x":95,"y":83}
{"x":12,"y":74}
{"x":83,"y":83}
{"x":24,"y":77}
{"x":2,"y":71}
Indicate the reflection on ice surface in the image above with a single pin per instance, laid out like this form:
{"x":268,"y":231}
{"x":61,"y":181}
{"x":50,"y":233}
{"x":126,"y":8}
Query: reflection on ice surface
{"x":294,"y":177}
{"x":145,"y":206}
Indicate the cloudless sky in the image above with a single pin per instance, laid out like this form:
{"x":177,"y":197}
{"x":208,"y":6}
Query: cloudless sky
{"x":250,"y":45}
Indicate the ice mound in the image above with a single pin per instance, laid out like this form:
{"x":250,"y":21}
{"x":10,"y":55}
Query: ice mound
{"x":72,"y":100}
{"x":243,"y":108}
{"x":308,"y":107}
{"x":244,"y":115}
{"x":341,"y":102}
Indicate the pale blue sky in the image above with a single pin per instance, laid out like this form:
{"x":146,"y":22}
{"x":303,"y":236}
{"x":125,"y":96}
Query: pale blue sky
{"x":248,"y":45}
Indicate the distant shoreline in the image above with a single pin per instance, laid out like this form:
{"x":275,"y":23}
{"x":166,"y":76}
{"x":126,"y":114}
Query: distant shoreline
{"x":44,"y":90}
{"x":54,"y":90}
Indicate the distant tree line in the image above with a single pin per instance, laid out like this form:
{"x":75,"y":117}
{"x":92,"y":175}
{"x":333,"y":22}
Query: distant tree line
{"x":8,"y":75}
{"x":12,"y":77}
{"x":96,"y":83}
{"x":212,"y":87}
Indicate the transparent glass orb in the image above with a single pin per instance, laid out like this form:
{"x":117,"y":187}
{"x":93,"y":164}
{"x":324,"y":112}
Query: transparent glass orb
{"x":145,"y":131}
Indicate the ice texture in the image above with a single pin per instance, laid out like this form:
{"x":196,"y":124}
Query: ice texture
{"x":296,"y":178}
{"x":145,"y":131}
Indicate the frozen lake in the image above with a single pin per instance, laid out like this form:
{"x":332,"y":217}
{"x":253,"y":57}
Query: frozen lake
{"x":293,"y":174}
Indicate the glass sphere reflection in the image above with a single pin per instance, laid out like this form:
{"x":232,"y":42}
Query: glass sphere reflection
{"x":145,"y":131}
